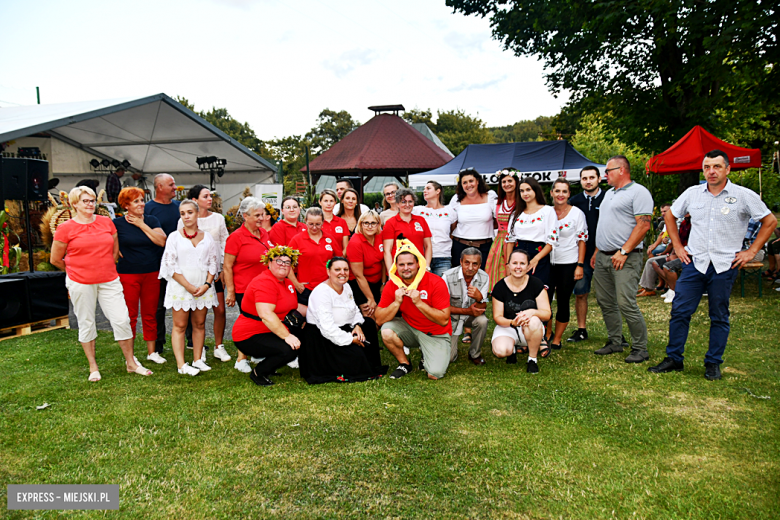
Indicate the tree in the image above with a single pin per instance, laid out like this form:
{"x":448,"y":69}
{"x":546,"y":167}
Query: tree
{"x":656,"y":68}
{"x":455,"y":128}
{"x":537,"y":129}
{"x":331,"y":128}
{"x":292,"y":152}
{"x":417,"y":115}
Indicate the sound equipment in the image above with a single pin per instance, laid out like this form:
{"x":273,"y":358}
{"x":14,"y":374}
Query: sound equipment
{"x":13,"y":303}
{"x":29,"y":297}
{"x":24,"y":179}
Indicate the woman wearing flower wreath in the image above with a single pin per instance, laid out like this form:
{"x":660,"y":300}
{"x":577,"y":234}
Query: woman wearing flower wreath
{"x":534,"y":230}
{"x":190,"y":265}
{"x":505,"y":211}
{"x":262,"y":330}
{"x":335,"y":349}
{"x":214,"y":224}
{"x":332,"y":224}
{"x":269,"y":218}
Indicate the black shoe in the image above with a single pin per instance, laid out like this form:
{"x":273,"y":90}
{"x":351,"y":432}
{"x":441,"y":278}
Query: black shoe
{"x":421,"y":365}
{"x":667,"y":365}
{"x":260,"y":380}
{"x":638,"y":356}
{"x":401,"y":371}
{"x":712,"y":371}
{"x":511,"y":360}
{"x":532,"y":367}
{"x":555,"y":346}
{"x":579,"y":335}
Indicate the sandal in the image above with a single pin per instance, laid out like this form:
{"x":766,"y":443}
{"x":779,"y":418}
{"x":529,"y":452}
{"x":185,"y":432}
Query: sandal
{"x":140,"y":369}
{"x":544,"y":352}
{"x":466,"y":338}
{"x":522,"y":349}
{"x":94,"y":377}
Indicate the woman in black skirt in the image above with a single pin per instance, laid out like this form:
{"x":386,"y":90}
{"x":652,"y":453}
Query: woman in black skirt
{"x":335,"y":347}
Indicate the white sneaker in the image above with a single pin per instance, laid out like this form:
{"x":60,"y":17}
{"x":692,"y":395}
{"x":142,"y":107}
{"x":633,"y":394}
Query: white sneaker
{"x":293,"y":363}
{"x":663,"y":295}
{"x":201,"y":365}
{"x":202,"y":356}
{"x":157,"y":358}
{"x":778,"y":289}
{"x":669,"y":297}
{"x":221,"y":354}
{"x":243,"y":366}
{"x":187,"y":370}
{"x":406,"y":350}
{"x":256,"y":360}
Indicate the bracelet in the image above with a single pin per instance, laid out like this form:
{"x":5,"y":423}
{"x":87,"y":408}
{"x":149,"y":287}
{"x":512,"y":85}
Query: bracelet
{"x":207,"y":283}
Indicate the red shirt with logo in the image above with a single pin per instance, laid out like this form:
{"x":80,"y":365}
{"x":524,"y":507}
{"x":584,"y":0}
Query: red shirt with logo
{"x":434,"y":292}
{"x":282,"y":232}
{"x":359,"y":250}
{"x":336,"y":227}
{"x":264,"y":289}
{"x":311,"y":264}
{"x":248,"y":249}
{"x":415,"y":230}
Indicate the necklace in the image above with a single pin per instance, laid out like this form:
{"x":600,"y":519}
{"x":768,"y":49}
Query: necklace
{"x":184,"y":230}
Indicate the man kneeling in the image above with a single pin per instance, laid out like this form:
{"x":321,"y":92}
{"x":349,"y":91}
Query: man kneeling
{"x":469,"y":286}
{"x":424,"y":318}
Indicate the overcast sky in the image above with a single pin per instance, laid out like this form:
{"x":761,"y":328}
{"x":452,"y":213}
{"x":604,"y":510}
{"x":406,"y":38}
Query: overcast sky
{"x":274,"y":64}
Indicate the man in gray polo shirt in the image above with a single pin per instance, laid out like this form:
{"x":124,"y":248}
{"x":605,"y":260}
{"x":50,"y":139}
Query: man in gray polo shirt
{"x":624,"y":219}
{"x":720,"y":211}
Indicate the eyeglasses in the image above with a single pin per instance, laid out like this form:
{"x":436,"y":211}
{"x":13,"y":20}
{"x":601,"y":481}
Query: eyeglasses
{"x":283,"y":263}
{"x":610,"y":169}
{"x":406,"y":203}
{"x":387,"y":194}
{"x":88,"y":202}
{"x":371,"y":224}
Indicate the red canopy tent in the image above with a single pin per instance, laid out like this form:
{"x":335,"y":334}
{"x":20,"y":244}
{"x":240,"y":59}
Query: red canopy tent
{"x":687,"y":154}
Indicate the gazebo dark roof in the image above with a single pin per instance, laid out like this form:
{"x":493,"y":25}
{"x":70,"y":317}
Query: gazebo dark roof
{"x":385,"y":145}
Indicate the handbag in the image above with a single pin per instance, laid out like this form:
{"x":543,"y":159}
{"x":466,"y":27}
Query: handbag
{"x":294,"y":320}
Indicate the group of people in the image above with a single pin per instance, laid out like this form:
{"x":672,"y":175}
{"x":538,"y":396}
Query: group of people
{"x":321,"y":292}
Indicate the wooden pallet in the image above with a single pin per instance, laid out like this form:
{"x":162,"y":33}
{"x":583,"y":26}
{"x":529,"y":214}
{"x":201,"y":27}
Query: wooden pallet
{"x":32,"y":328}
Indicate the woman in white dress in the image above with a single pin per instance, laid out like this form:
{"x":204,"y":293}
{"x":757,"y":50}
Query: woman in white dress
{"x":214,"y":224}
{"x":474,"y":207}
{"x":189,"y":264}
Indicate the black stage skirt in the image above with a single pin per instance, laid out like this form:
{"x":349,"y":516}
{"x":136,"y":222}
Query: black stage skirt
{"x":323,"y":362}
{"x":370,"y":330}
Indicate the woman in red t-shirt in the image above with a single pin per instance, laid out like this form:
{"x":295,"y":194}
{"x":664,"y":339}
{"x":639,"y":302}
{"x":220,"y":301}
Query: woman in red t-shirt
{"x":259,"y":330}
{"x":412,"y":227}
{"x":332,"y":224}
{"x":316,"y":249}
{"x":87,"y":249}
{"x":289,"y":226}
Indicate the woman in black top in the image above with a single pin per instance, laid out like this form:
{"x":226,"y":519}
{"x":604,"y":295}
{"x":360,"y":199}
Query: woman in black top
{"x":520,"y":305}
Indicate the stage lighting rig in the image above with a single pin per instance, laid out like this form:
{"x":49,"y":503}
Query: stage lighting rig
{"x":213,"y":165}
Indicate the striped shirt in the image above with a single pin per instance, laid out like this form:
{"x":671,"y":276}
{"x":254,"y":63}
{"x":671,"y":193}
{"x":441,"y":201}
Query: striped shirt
{"x":718,"y":223}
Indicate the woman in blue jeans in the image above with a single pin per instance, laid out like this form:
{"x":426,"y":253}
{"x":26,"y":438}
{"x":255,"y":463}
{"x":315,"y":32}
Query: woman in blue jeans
{"x":440,"y":219}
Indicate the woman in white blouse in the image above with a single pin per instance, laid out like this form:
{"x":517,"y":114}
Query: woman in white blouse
{"x":568,"y":256}
{"x":214,"y":224}
{"x":334,"y":350}
{"x":189,"y":264}
{"x":440,"y":219}
{"x":473,"y":205}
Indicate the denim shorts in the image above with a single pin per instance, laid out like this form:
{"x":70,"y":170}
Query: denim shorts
{"x":583,"y":284}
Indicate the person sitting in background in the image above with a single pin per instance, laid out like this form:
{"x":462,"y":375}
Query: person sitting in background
{"x":190,"y":265}
{"x":520,"y":305}
{"x":289,"y":226}
{"x":244,"y":249}
{"x":335,"y":346}
{"x":468,"y":286}
{"x":86,"y":247}
{"x":415,"y":312}
{"x":332,"y":224}
{"x":141,"y":246}
{"x":656,"y":254}
{"x":669,"y":268}
{"x":260,"y":331}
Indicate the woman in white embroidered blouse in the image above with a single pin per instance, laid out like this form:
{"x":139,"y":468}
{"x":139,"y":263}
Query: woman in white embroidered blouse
{"x":440,"y":219}
{"x":568,"y":257}
{"x":474,"y":206}
{"x":334,"y":349}
{"x":189,"y":264}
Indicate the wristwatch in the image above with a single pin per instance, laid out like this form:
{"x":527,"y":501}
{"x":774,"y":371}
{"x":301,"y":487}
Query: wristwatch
{"x":580,"y":264}
{"x":623,"y":252}
{"x":207,"y":283}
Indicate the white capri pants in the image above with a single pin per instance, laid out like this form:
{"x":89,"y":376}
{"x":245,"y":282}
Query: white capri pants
{"x":112,"y":301}
{"x":510,"y":332}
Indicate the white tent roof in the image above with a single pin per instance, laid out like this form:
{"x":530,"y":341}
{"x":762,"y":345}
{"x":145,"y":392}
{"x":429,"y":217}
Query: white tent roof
{"x":155,"y":134}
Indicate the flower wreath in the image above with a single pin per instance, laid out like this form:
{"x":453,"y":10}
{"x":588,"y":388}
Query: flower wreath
{"x":271,"y":211}
{"x":280,"y":250}
{"x":512,"y":172}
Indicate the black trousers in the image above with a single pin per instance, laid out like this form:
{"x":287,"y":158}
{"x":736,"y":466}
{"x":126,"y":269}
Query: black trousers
{"x":370,"y":330}
{"x":562,"y":282}
{"x":274,"y":349}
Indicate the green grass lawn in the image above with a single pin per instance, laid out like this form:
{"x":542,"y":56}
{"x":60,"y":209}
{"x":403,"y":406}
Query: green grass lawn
{"x":588,"y":437}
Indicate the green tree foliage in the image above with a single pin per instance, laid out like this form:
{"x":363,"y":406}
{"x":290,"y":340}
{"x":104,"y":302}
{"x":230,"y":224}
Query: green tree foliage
{"x":291,"y":151}
{"x":538,"y":129}
{"x":331,"y":128}
{"x":655,"y":68}
{"x":241,"y":132}
{"x":455,"y":128}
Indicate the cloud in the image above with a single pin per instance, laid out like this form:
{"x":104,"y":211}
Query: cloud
{"x":478,"y":86}
{"x":349,"y":61}
{"x":239,"y":4}
{"x":465,"y":43}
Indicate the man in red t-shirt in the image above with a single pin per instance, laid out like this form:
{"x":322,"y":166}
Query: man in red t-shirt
{"x":424,"y":320}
